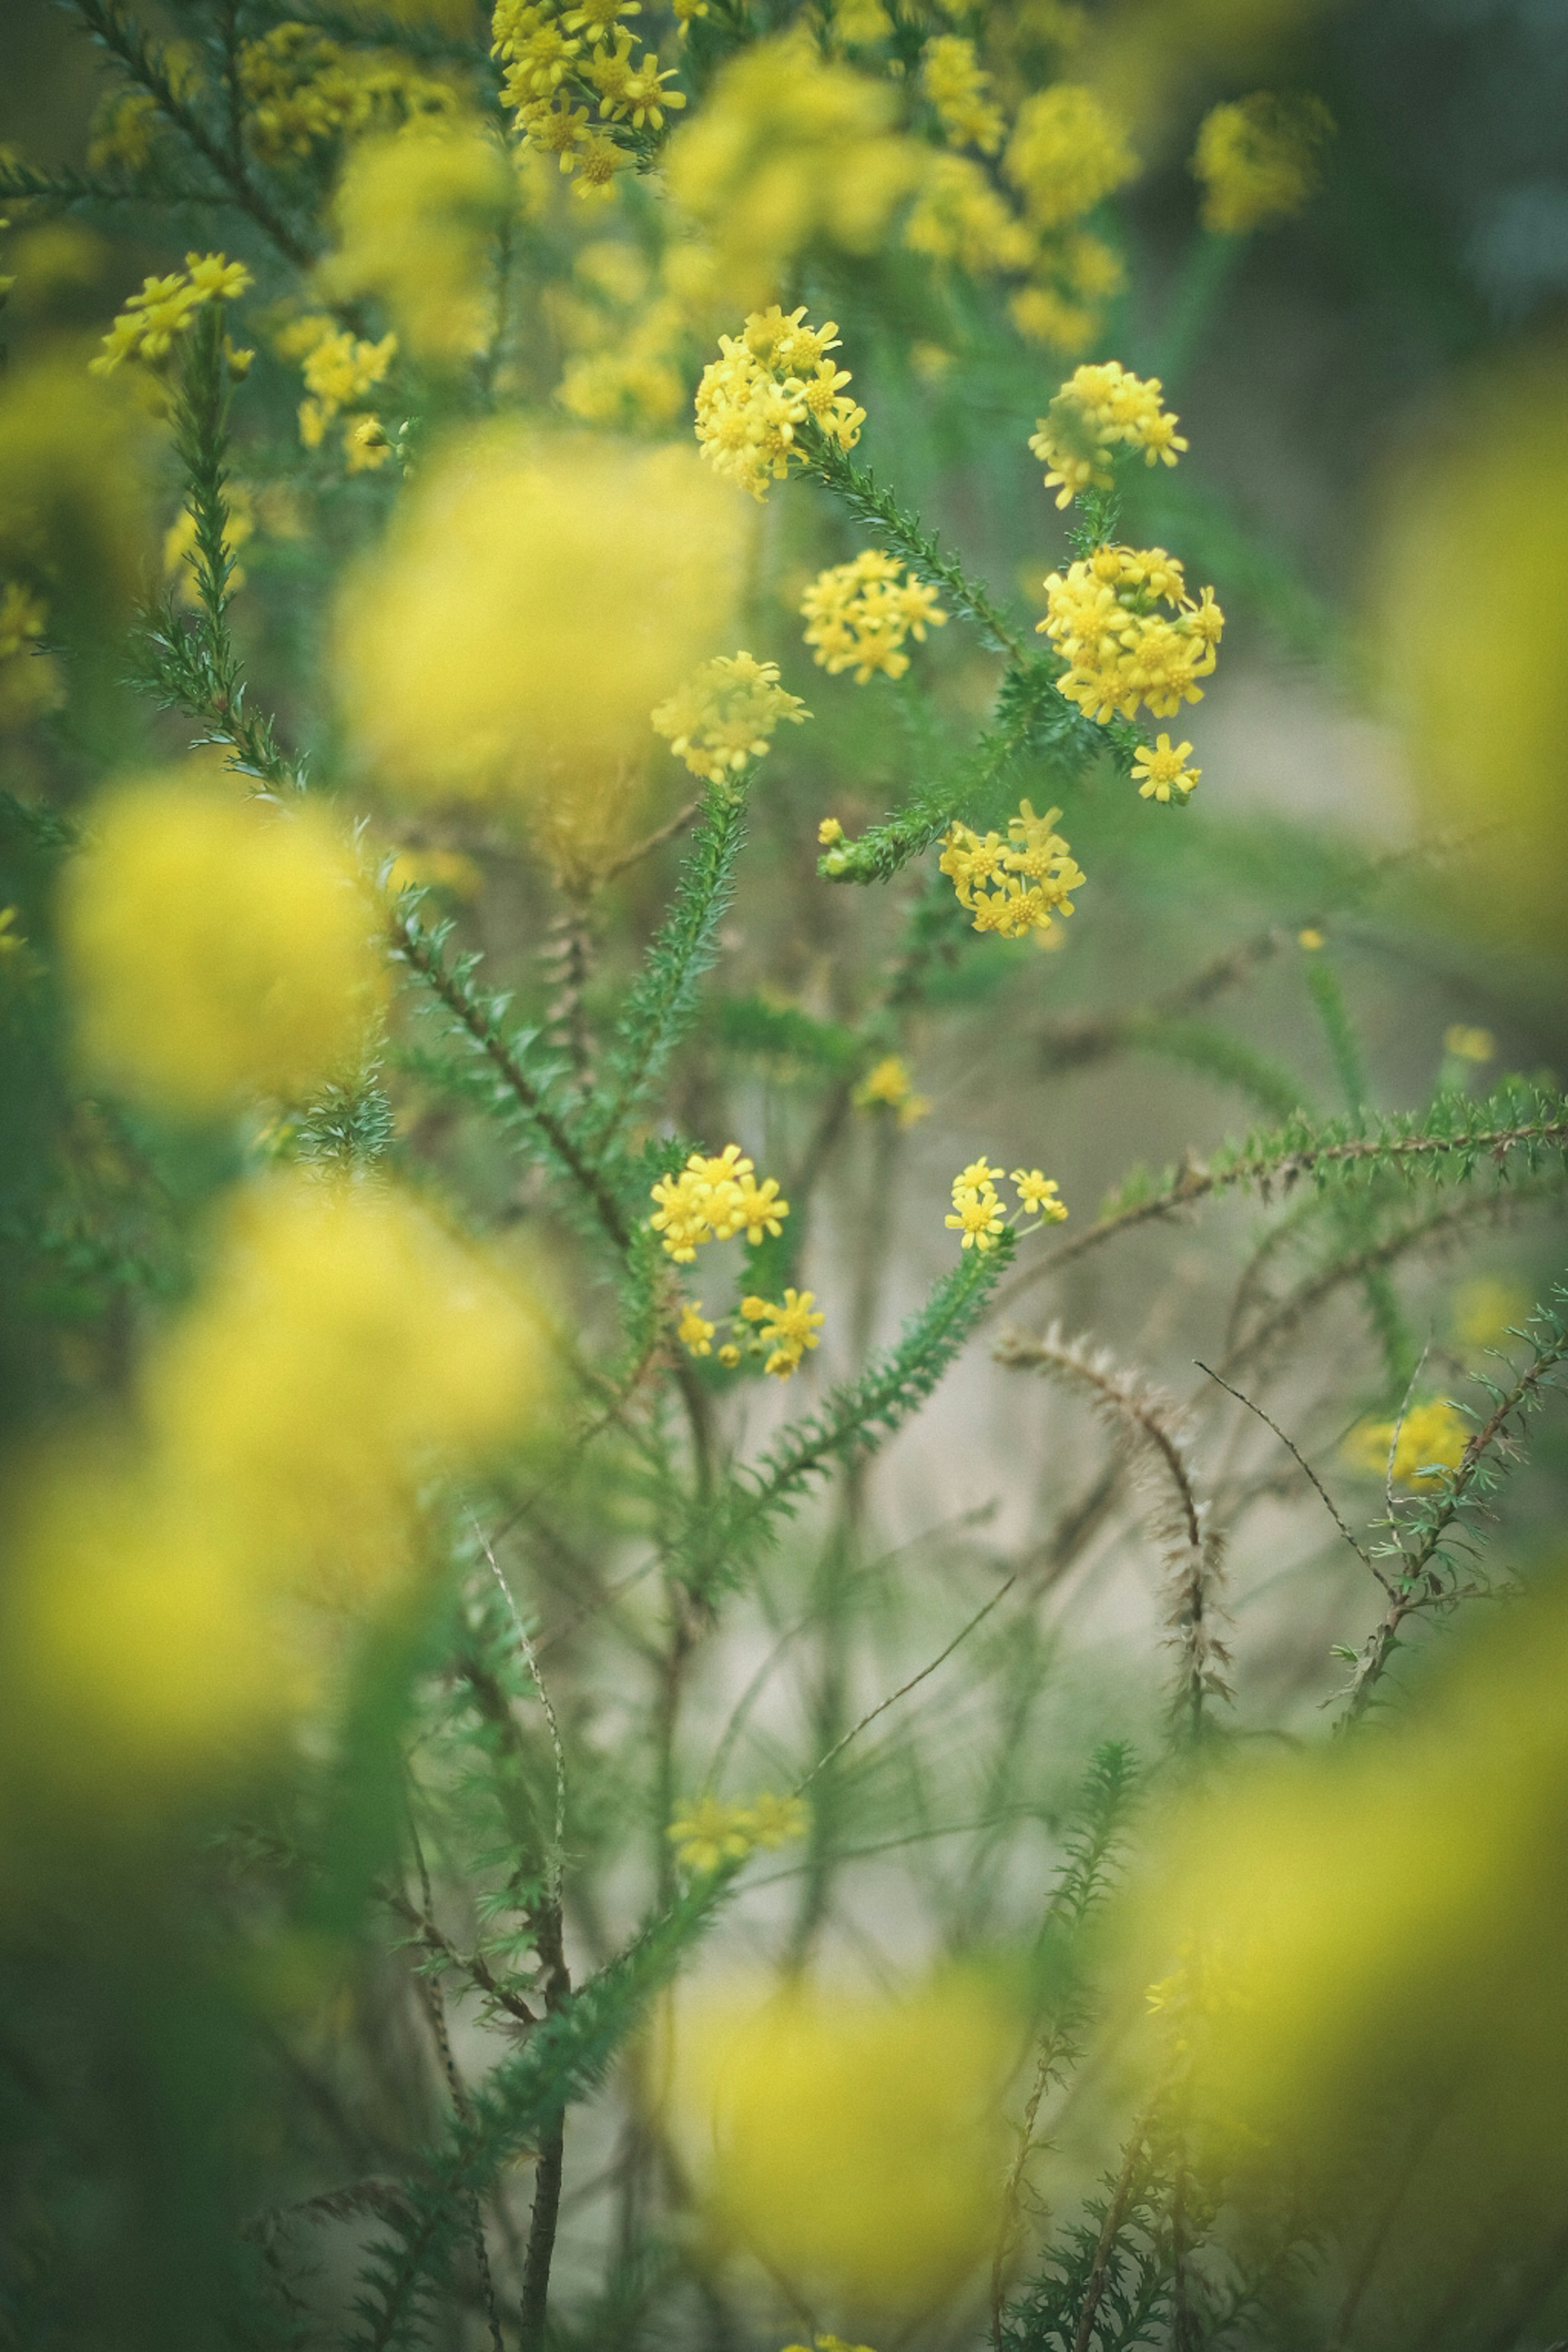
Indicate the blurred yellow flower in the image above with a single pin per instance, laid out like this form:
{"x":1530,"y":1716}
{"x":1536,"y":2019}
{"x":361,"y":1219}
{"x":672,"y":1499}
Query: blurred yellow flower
{"x":1066,"y":153}
{"x":888,"y":1086}
{"x":536,"y":597}
{"x":1469,"y":1044}
{"x":1432,"y":1436}
{"x":1485,"y":1310}
{"x":851,"y":2145}
{"x":1259,"y":158}
{"x":342,"y":1351}
{"x":416,"y":215}
{"x":216,"y":947}
{"x":137,"y":1645}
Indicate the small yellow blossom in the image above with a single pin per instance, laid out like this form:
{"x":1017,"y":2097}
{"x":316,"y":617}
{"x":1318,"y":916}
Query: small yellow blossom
{"x":726,"y":714}
{"x":712,"y":1199}
{"x":1162,"y":771}
{"x":976,"y":1214}
{"x":1309,"y":938}
{"x":959,"y":214}
{"x":862,"y":611}
{"x":1016,"y":885}
{"x":1259,"y":159}
{"x":728,"y":1355}
{"x":1066,"y":153}
{"x":146,"y":328}
{"x":788,"y":1329}
{"x":216,"y":947}
{"x":764,"y":386}
{"x":303,"y":89}
{"x":1468,"y":1044}
{"x":1432,"y":1436}
{"x":1037,"y":1194}
{"x":778,"y":1821}
{"x":712,"y":1834}
{"x":888,"y":1086}
{"x":1099,"y":409}
{"x":365,"y":445}
{"x":956,"y":84}
{"x":1122,"y":650}
{"x":829,"y":831}
{"x":695,"y":1335}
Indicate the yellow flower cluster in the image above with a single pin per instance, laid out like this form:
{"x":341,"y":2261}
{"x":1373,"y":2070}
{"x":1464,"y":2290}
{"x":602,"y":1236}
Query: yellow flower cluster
{"x":712,"y":1199}
{"x":763,"y":386}
{"x":956,"y":84}
{"x":1104,"y":619}
{"x":977,"y":1212}
{"x":416,"y":214}
{"x":712,"y":1832}
{"x":1068,"y":153}
{"x":1099,"y":409}
{"x":887,"y":1085}
{"x":342,"y":1351}
{"x":960,"y":216}
{"x":787,"y":152}
{"x":554,"y":56}
{"x":787,"y":1329}
{"x":1159,"y":772}
{"x":216,"y":947}
{"x":725,"y":715}
{"x":1432,"y":1436}
{"x":1259,"y":159}
{"x":146,"y":328}
{"x":861,"y":612}
{"x":1014,"y":886}
{"x":300,"y":88}
{"x":340,"y":369}
{"x":827,"y":2344}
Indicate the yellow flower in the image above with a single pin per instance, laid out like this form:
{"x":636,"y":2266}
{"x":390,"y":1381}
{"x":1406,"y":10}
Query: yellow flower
{"x":1309,"y":938}
{"x":365,"y":445}
{"x":1066,"y":153}
{"x":1259,"y":158}
{"x":1432,"y":1437}
{"x":779,"y":1821}
{"x":726,"y":714}
{"x":977,"y":1215}
{"x":788,"y":1329}
{"x":710,"y":1834}
{"x":416,"y":216}
{"x":1016,"y":885}
{"x":147,"y":327}
{"x":960,"y":216}
{"x":761,"y":388}
{"x":217,"y":947}
{"x":534,"y":598}
{"x":695,"y":1335}
{"x":303,"y":89}
{"x":728,"y":1355}
{"x":829,"y":831}
{"x":754,"y":1308}
{"x":861,"y":612}
{"x":1037,"y":1194}
{"x":1163,"y":770}
{"x":953,"y":80}
{"x":713,"y":1199}
{"x":1122,"y":650}
{"x":1469,"y":1044}
{"x":1099,"y":409}
{"x":342,"y":1351}
{"x":851,"y":2145}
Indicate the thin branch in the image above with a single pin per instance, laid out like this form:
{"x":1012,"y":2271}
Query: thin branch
{"x":904,"y":1689}
{"x":1291,"y":1448}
